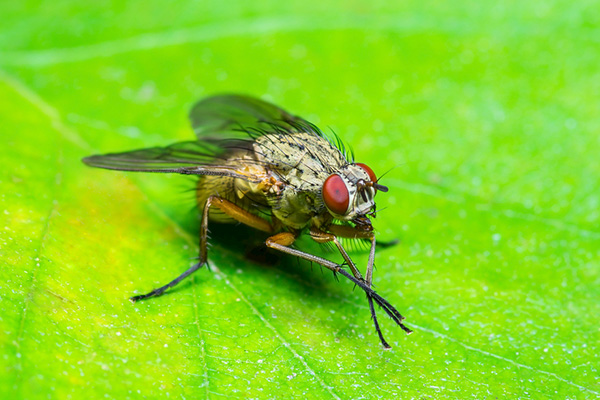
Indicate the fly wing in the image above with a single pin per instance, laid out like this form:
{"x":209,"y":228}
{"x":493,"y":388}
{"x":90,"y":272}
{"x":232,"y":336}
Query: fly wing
{"x":237,"y":115}
{"x":222,"y":124}
{"x":189,"y":158}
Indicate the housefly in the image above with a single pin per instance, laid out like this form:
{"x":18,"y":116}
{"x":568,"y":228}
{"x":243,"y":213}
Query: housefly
{"x":273,"y":171}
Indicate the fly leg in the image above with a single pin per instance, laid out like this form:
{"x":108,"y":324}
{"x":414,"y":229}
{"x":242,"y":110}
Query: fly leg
{"x":235,"y":212}
{"x":283,"y":240}
{"x":353,"y":233}
{"x":323,"y":237}
{"x":369,"y":280}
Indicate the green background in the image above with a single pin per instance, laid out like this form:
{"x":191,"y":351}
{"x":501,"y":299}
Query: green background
{"x":487,"y":113}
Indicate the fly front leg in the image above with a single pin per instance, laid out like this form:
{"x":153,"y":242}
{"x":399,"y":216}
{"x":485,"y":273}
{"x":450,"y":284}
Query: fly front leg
{"x":351,"y":232}
{"x":325,"y":237}
{"x":354,"y":233}
{"x":369,"y":279}
{"x":232,"y":210}
{"x":283,"y":240}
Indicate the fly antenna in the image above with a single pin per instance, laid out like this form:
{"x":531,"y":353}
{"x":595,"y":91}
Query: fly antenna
{"x":362,"y":184}
{"x":380,"y":187}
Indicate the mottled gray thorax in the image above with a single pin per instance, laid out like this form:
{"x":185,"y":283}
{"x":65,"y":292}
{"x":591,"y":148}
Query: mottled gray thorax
{"x":303,"y":161}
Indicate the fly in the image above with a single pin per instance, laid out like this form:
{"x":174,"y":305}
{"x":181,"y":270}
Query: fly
{"x":273,"y":171}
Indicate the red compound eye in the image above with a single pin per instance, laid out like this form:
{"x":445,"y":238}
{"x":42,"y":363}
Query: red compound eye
{"x":335,"y":194}
{"x":369,"y":171}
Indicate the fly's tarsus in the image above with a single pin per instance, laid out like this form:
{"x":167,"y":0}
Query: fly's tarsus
{"x":376,"y":323}
{"x":162,"y":289}
{"x":383,"y":303}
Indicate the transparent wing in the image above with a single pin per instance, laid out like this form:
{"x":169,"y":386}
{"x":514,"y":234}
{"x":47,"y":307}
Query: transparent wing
{"x":238,"y":115}
{"x":190,"y":158}
{"x":222,"y":124}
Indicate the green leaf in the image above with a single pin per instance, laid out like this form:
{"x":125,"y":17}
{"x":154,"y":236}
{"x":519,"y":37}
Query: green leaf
{"x":485,"y":114}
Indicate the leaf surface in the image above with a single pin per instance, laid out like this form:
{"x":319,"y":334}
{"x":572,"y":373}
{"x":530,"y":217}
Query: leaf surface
{"x":486,"y":116}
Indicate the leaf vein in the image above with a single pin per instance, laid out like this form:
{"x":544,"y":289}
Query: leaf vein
{"x":508,"y":360}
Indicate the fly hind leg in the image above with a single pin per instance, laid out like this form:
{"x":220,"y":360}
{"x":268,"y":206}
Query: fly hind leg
{"x":233,"y":211}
